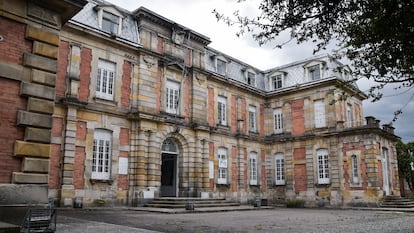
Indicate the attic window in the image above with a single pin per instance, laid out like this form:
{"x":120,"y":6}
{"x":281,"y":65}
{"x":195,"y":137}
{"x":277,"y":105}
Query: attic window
{"x":110,"y":22}
{"x":221,"y":66}
{"x":251,"y":78}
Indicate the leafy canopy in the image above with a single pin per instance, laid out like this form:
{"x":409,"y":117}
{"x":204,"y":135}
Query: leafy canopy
{"x":377,"y":36}
{"x":405,"y":155}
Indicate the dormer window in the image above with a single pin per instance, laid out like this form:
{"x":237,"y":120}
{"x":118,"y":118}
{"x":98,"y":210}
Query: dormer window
{"x":109,"y":19}
{"x":276,"y":81}
{"x":314,"y":70}
{"x":110,"y":22}
{"x":250,"y":77}
{"x":220,"y":64}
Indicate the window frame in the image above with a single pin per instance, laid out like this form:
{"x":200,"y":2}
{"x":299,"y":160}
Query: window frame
{"x":250,"y":78}
{"x":323,"y":166}
{"x":253,"y":168}
{"x":278,"y":120}
{"x":349,"y":115}
{"x":279,"y":169}
{"x":311,"y":74}
{"x":102,"y":10}
{"x":274,"y":80}
{"x":252,"y":118}
{"x":224,"y":62}
{"x":172,"y":90}
{"x":222,"y":168}
{"x":104,"y":161}
{"x":354,"y":169}
{"x":319,"y":113}
{"x":222,"y":110}
{"x":105,"y":88}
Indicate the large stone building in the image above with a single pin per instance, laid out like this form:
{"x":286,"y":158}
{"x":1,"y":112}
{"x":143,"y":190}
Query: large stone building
{"x":144,"y":108}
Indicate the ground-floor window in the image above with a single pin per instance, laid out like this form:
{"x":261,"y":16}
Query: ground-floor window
{"x":102,"y":153}
{"x":323,"y":166}
{"x":279,"y":169}
{"x":253,"y":168}
{"x":222,"y":166}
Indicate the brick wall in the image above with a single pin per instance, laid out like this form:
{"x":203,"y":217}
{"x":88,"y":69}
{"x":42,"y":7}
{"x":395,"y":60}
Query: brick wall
{"x":126,"y":85}
{"x":300,"y":177}
{"x":54,"y":166}
{"x":79,"y":168}
{"x":14,"y":44}
{"x":62,"y":68}
{"x":10,"y":103}
{"x":85,"y":73}
{"x":298,"y":117}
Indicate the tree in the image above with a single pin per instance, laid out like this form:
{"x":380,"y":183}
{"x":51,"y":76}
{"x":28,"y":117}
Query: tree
{"x":405,"y":155}
{"x":377,"y":36}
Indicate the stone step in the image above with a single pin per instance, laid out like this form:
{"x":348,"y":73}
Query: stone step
{"x":174,"y":203}
{"x":397,"y":202}
{"x":9,"y":228}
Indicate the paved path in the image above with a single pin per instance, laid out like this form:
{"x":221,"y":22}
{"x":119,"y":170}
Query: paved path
{"x":263,"y":221}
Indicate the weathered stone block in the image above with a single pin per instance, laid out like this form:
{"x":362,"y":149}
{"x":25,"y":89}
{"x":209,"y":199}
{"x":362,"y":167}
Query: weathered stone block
{"x":23,"y":194}
{"x":43,"y":77}
{"x":39,"y":62}
{"x":37,"y":90}
{"x":29,"y":178}
{"x":35,"y":165}
{"x":40,"y":106}
{"x":37,"y":135}
{"x":42,"y":35}
{"x":34,"y":119}
{"x":22,"y":148}
{"x":46,"y":50}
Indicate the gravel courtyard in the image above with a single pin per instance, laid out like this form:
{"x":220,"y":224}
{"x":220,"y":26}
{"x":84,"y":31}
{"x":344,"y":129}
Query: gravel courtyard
{"x":270,"y":220}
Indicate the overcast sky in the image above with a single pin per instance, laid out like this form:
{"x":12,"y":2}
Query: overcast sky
{"x":197,"y":15}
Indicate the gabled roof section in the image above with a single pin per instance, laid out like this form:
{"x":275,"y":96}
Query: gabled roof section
{"x":143,"y":12}
{"x":88,"y":18}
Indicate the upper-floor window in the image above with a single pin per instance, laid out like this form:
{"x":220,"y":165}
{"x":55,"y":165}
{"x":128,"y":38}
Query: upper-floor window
{"x":253,"y":168}
{"x":102,"y":153}
{"x":251,"y":78}
{"x":319,"y":111}
{"x":323,"y":166}
{"x":222,"y":110}
{"x":279,"y":169}
{"x":314,"y":72}
{"x":105,"y":80}
{"x":222,"y":166}
{"x":349,"y":115}
{"x":278,"y":120}
{"x":220,"y":64}
{"x":354,"y":161}
{"x":172,"y":95}
{"x":276,"y":81}
{"x":252,"y":119}
{"x":109,"y":19}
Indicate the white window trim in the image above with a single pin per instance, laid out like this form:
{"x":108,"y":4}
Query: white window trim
{"x":354,"y":169}
{"x":253,"y":168}
{"x":312,"y":64}
{"x":319,"y":113}
{"x":274,"y":76}
{"x":349,"y":115}
{"x":252,"y":119}
{"x":278,"y":120}
{"x":246,"y":77}
{"x":109,"y":68}
{"x":279,"y":169}
{"x":224,"y":60}
{"x":172,"y":105}
{"x":101,"y":163}
{"x":114,"y":12}
{"x":322,"y":161}
{"x":222,"y":166}
{"x":222,"y":113}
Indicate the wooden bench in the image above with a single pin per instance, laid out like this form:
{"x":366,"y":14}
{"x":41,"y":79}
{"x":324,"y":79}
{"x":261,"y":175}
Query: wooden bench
{"x":39,"y":220}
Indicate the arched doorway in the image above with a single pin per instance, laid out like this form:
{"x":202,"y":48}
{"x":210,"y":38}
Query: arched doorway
{"x":169,"y":168}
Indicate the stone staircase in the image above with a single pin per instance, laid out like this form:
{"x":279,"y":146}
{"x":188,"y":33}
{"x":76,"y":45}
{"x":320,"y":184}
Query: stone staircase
{"x":190,"y":203}
{"x":397,"y":202}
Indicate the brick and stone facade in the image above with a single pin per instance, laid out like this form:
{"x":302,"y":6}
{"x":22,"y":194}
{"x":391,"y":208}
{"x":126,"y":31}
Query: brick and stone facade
{"x":145,"y":108}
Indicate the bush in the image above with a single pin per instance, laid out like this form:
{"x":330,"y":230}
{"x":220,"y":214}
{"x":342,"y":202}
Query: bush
{"x":295,"y":203}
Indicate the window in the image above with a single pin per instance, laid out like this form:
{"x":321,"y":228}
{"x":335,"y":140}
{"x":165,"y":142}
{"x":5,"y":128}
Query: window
{"x":172,"y":96}
{"x":105,"y":80}
{"x":221,"y":66}
{"x":222,"y":166}
{"x":276,"y":81}
{"x":252,"y":118}
{"x":251,"y":78}
{"x":221,"y":109}
{"x":278,"y":118}
{"x":253,"y":168}
{"x":349,"y":117}
{"x":102,"y":153}
{"x":314,"y":72}
{"x":110,"y":22}
{"x":354,"y":161}
{"x":323,"y":166}
{"x":319,"y":111}
{"x":279,"y":169}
